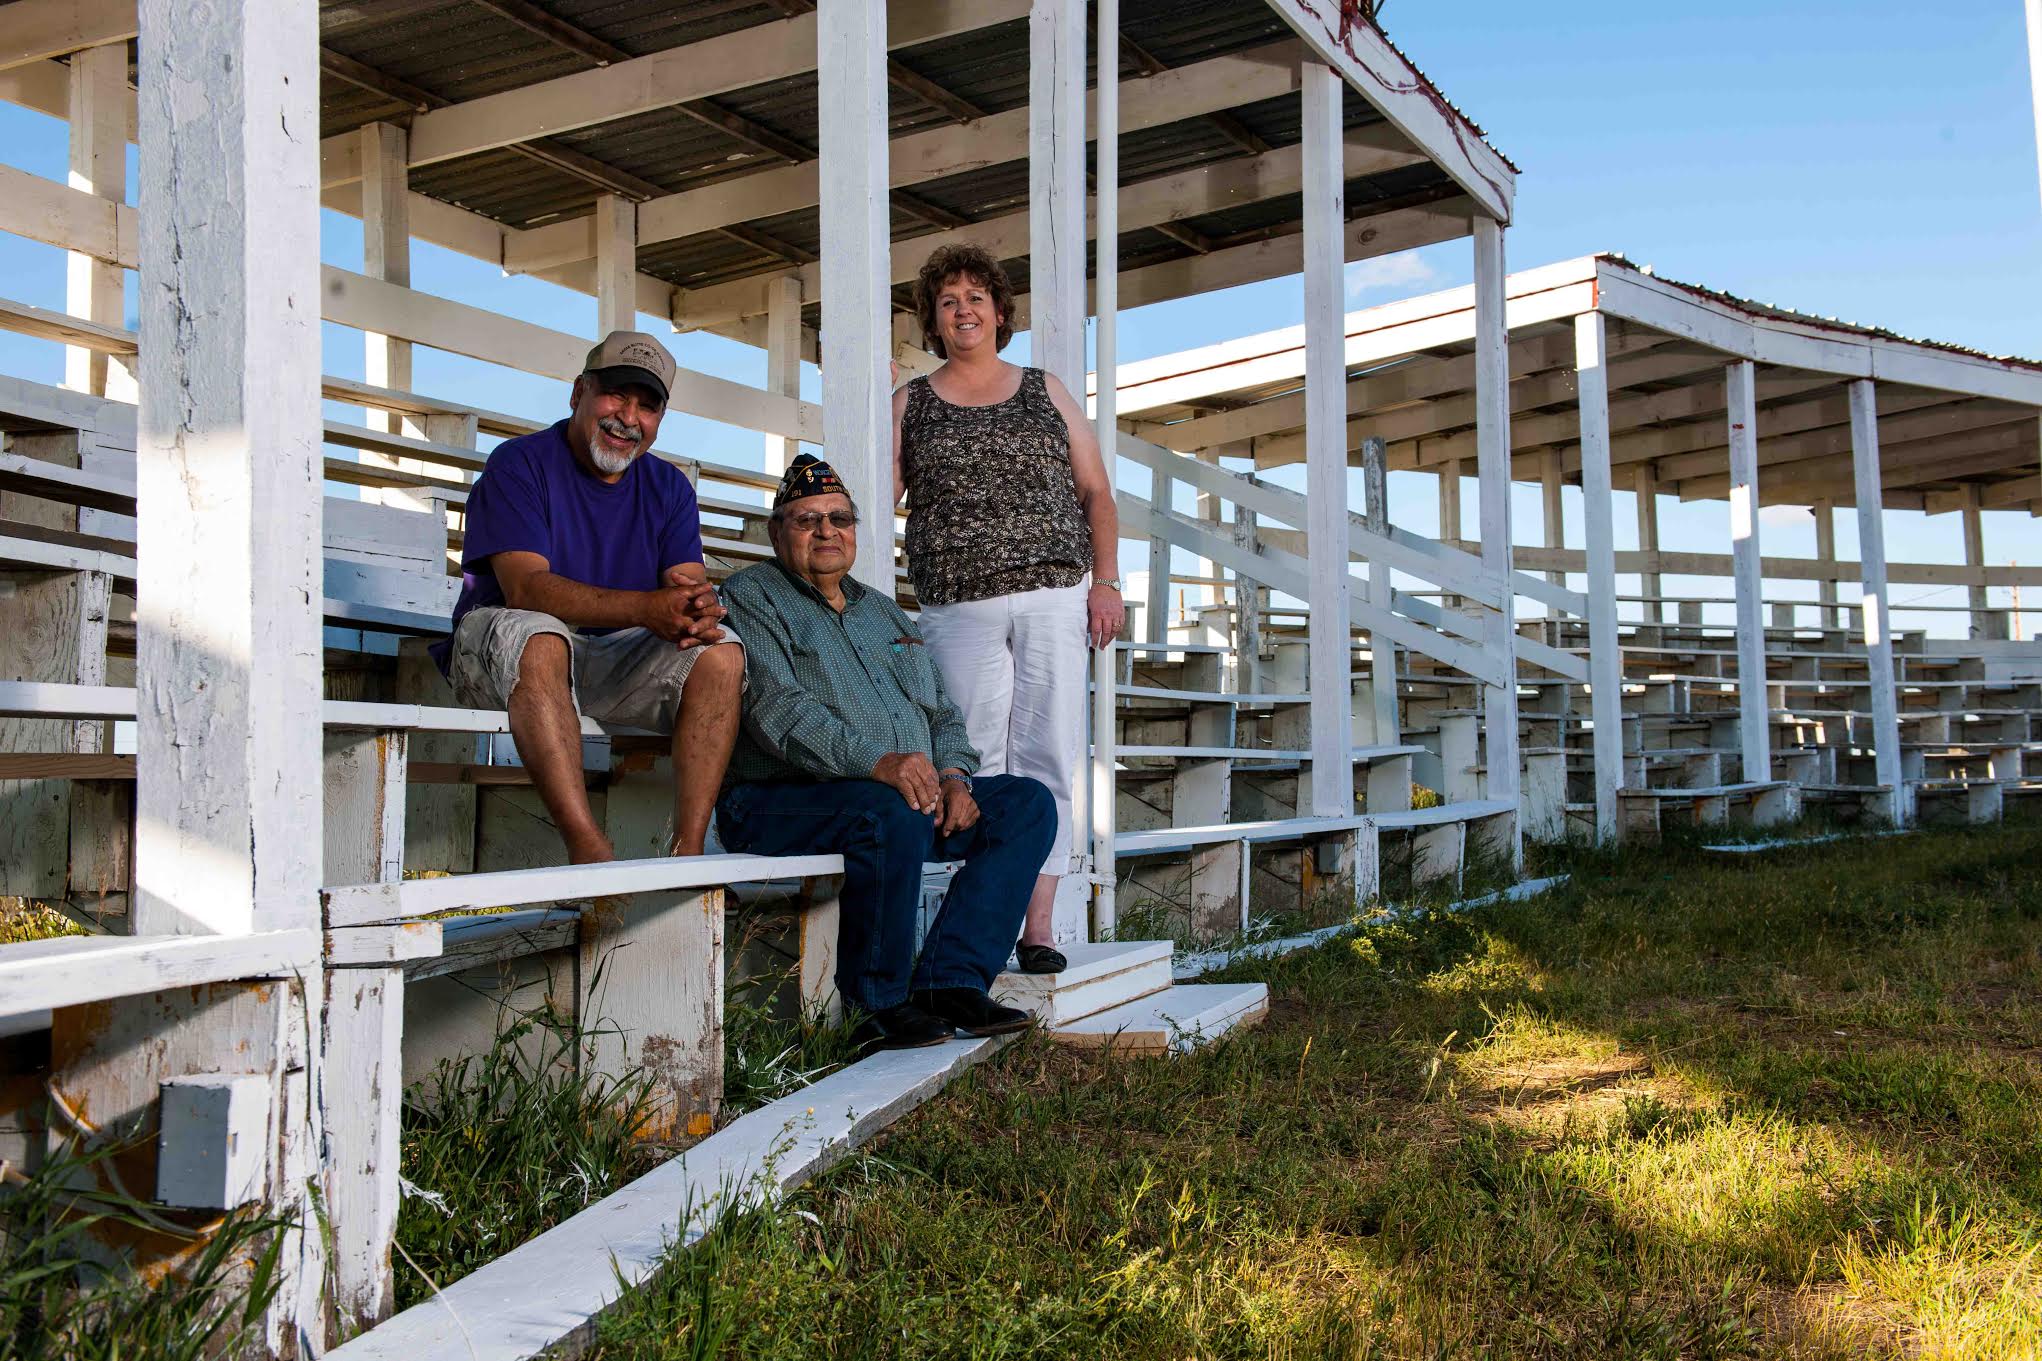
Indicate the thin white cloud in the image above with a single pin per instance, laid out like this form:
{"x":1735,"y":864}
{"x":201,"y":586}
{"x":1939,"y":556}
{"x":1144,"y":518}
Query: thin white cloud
{"x":1785,"y":515}
{"x":1405,"y":269}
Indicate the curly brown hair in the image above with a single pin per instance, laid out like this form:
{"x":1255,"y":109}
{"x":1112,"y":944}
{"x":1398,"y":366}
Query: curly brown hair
{"x":972,"y":262}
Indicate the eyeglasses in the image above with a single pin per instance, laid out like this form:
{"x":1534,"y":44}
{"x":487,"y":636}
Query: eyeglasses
{"x":809,"y":521}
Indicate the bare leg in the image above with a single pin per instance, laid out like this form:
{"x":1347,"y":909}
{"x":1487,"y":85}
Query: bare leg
{"x":1035,"y":928}
{"x":548,"y":734}
{"x":704,"y":732}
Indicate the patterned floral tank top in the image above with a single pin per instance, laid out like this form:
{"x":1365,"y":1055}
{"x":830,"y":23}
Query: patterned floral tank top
{"x":992,"y":503}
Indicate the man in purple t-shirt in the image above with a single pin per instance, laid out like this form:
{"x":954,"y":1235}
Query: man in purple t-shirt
{"x":585,"y":593}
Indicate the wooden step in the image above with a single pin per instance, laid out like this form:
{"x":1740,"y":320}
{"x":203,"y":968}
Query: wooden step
{"x":1103,"y":975}
{"x":1176,"y":1021}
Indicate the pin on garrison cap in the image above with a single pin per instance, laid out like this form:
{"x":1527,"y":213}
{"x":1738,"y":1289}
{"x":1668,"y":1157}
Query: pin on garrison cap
{"x":632,"y":357}
{"x":807,"y":475}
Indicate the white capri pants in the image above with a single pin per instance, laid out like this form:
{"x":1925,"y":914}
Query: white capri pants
{"x":1016,"y":665}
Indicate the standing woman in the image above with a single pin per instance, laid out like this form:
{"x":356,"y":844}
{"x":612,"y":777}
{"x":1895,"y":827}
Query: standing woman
{"x":1013,"y":546}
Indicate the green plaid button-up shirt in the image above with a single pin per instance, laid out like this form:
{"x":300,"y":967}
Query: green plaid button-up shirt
{"x":828,"y":694}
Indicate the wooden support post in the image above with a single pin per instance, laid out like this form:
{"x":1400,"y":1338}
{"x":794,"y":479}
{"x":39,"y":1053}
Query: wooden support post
{"x":364,"y":816}
{"x":1645,"y":482}
{"x":99,"y":104}
{"x":616,"y":264}
{"x":1829,"y":616}
{"x":1106,"y":414}
{"x":1248,"y":606}
{"x":857,"y":403}
{"x":1605,"y":654}
{"x":783,"y":360}
{"x":1983,"y":625}
{"x":1056,"y":188}
{"x":1326,"y":445}
{"x":1754,"y":737}
{"x":228,"y":475}
{"x":1156,"y":628}
{"x":1885,"y":697}
{"x":1551,"y":483}
{"x":1492,"y":443}
{"x":1450,"y":474}
{"x":1375,"y":477}
{"x":386,"y":255}
{"x":650,"y":971}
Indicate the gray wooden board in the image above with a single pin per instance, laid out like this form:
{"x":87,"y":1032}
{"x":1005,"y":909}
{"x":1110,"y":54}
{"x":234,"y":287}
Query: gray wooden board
{"x":550,"y":1291}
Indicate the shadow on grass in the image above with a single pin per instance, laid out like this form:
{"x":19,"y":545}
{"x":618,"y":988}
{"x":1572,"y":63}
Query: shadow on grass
{"x":1684,"y":1107}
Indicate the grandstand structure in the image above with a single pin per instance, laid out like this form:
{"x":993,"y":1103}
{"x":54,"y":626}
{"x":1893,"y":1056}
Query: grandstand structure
{"x":218,"y":563}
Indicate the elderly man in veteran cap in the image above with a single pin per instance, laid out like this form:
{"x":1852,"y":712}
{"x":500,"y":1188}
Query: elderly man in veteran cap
{"x":850,"y":746}
{"x":585,"y":593}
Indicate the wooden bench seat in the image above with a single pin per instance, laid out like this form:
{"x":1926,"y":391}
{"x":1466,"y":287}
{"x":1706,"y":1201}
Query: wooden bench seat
{"x":1770,"y":803}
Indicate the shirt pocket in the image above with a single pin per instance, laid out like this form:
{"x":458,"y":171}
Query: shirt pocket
{"x":916,"y":672}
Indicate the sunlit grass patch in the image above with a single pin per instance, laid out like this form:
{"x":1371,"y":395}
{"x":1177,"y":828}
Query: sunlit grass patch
{"x":28,"y":920}
{"x":1686,"y":1106}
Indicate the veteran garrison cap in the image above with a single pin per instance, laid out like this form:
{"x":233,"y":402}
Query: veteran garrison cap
{"x":632,"y":357}
{"x":808,"y":475}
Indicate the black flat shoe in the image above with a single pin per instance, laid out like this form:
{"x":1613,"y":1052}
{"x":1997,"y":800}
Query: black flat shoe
{"x":972,"y":1011}
{"x":1040,"y":959}
{"x":904,"y":1026}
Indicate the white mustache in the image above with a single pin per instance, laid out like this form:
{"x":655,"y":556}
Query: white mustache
{"x":616,"y":429}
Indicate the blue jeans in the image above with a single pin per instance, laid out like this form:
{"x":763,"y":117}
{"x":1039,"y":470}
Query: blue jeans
{"x":884,"y":843}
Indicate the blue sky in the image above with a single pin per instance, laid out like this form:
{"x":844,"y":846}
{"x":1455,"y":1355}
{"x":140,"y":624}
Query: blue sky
{"x":1869,"y":160}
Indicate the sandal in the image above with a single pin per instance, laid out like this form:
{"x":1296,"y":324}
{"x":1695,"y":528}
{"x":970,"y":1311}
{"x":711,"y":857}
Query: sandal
{"x":1040,"y":958}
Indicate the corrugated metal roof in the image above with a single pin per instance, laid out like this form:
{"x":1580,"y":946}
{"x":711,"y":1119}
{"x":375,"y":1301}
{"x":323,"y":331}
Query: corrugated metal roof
{"x":457,"y":50}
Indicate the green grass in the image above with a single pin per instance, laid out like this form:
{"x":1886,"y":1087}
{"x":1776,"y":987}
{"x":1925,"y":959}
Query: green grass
{"x":1687,"y":1106}
{"x":59,"y":1300}
{"x":34,"y":921}
{"x":499,"y":1146}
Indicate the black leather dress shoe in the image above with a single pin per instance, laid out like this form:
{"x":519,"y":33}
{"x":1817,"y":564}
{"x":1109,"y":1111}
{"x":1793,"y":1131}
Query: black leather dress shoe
{"x":904,"y":1026}
{"x":1040,"y":958}
{"x":972,"y":1011}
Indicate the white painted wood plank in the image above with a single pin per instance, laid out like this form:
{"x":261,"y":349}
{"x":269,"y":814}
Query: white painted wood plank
{"x":386,"y":255}
{"x":362,"y":904}
{"x":74,"y":970}
{"x":1178,"y":1019}
{"x":1357,"y":50}
{"x":39,"y":29}
{"x":1324,"y":210}
{"x":783,"y":359}
{"x":550,"y":1290}
{"x":1605,"y":654}
{"x":616,"y":242}
{"x":228,"y":655}
{"x":1383,"y":654}
{"x":369,"y":304}
{"x":1492,"y":397}
{"x":1101,"y":811}
{"x":1875,"y":611}
{"x":1056,"y":189}
{"x":857,"y":299}
{"x":1754,"y":736}
{"x":43,"y":210}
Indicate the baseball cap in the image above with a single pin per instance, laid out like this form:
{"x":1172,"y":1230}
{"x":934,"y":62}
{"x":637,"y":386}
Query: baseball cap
{"x":632,"y":357}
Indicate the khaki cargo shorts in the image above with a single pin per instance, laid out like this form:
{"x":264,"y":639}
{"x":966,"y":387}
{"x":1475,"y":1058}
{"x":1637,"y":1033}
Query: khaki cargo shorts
{"x":631,"y":678}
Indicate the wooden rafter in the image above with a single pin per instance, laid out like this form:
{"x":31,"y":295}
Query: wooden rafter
{"x":1230,"y":127}
{"x":904,"y":77}
{"x":533,"y":19}
{"x":736,"y":126}
{"x":546,"y":151}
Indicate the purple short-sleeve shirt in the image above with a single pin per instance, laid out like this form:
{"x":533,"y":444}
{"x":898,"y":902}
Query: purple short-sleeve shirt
{"x":534,"y":497}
